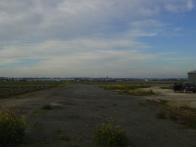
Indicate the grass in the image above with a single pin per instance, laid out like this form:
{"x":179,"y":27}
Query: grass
{"x":124,"y":86}
{"x":136,"y":90}
{"x":105,"y":135}
{"x":139,"y":92}
{"x":13,"y":88}
{"x":166,"y":87}
{"x":109,"y":135}
{"x":12,"y":129}
{"x":183,"y":115}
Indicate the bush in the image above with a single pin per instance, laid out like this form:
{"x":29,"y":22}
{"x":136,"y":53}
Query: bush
{"x":12,"y":129}
{"x":108,"y":135}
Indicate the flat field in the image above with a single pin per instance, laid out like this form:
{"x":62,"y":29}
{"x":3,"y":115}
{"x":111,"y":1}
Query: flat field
{"x":68,"y":115}
{"x":13,"y":88}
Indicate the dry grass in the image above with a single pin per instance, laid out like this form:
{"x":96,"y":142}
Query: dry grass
{"x":166,"y":87}
{"x":124,"y":86}
{"x":109,"y":135}
{"x":183,"y":115}
{"x":140,"y":92}
{"x":135,"y":90}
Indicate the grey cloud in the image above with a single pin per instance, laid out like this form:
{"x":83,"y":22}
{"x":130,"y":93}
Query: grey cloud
{"x":38,"y":19}
{"x":73,"y":35}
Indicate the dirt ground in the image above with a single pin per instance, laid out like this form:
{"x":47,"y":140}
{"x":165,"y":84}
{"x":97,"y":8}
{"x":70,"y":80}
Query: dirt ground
{"x":80,"y":108}
{"x":175,"y":99}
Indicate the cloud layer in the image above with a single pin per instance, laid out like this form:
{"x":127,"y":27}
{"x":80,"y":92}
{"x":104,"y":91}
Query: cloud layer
{"x":82,"y":37}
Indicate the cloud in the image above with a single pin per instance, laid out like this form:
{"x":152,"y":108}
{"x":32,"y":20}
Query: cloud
{"x":80,"y":37}
{"x":37,"y":20}
{"x":183,"y":6}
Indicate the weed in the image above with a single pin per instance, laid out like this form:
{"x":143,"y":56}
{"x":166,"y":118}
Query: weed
{"x":12,"y":128}
{"x":108,"y":135}
{"x":141,"y":92}
{"x":183,"y":115}
{"x":136,"y":90}
{"x":166,"y":87}
{"x":125,"y":87}
{"x":13,"y":88}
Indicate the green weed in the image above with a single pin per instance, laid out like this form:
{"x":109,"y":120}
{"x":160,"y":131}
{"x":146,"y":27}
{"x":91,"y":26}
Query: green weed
{"x":109,"y":135}
{"x":12,"y":128}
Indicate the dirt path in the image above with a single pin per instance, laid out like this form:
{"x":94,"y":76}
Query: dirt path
{"x":81,"y":108}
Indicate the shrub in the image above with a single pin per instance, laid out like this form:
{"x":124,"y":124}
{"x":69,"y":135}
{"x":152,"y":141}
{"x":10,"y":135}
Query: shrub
{"x":108,"y":135}
{"x":12,"y":128}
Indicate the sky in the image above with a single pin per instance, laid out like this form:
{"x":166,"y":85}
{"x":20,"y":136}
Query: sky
{"x":97,"y":38}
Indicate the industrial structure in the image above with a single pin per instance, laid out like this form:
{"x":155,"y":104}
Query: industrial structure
{"x":192,"y":76}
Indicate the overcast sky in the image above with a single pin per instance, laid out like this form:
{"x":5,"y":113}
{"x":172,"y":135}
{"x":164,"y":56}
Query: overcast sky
{"x":97,"y":38}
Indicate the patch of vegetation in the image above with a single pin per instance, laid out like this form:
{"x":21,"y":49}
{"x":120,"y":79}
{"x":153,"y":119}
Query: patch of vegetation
{"x":166,"y":87}
{"x":135,"y":90}
{"x":183,"y":115}
{"x":12,"y":129}
{"x":12,"y":88}
{"x":124,"y":86}
{"x":109,"y":135}
{"x":139,"y":92}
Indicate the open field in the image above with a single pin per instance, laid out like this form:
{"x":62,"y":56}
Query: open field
{"x":13,"y":88}
{"x":68,"y":116}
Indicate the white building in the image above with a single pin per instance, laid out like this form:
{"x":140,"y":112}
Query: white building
{"x":192,"y":76}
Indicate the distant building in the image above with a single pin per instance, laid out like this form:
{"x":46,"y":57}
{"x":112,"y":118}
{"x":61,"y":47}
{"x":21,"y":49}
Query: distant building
{"x":192,"y":76}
